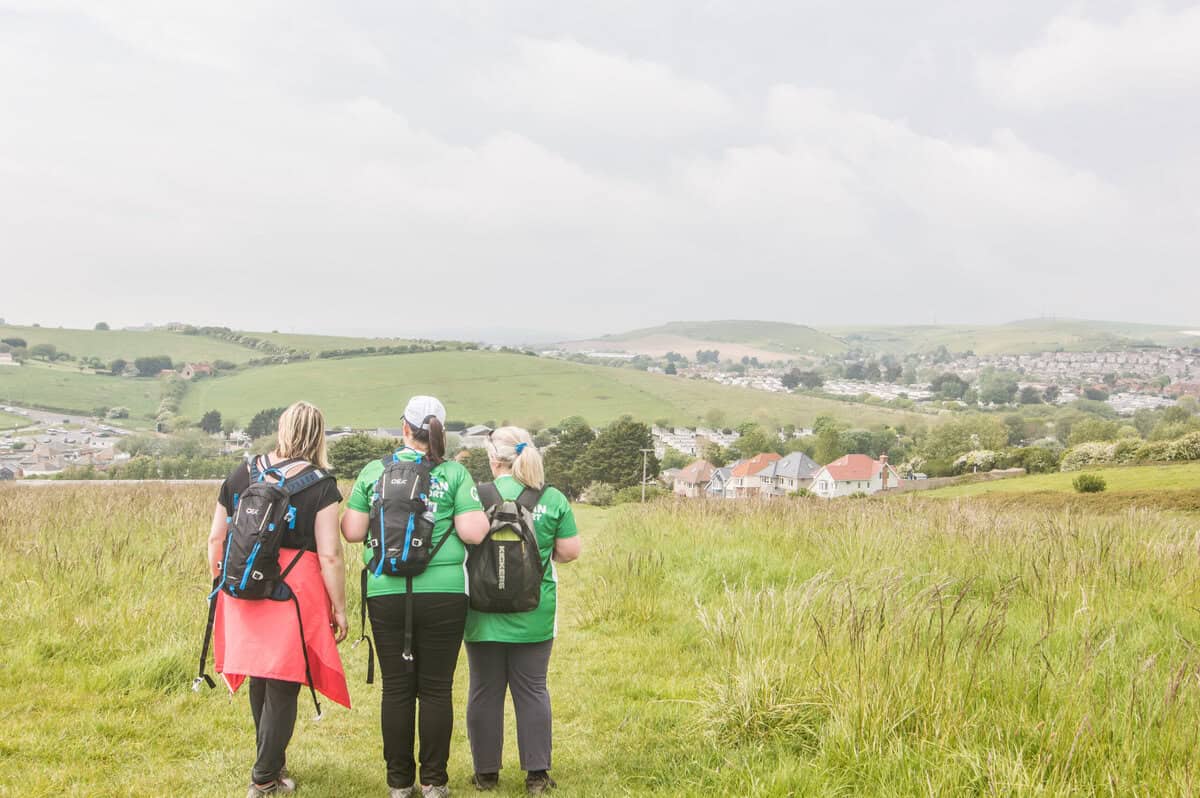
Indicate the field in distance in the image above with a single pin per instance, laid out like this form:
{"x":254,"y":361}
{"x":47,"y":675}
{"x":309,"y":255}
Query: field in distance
{"x":1143,"y":478}
{"x":480,"y":386}
{"x":850,"y":648}
{"x":1019,"y":337}
{"x":769,"y":341}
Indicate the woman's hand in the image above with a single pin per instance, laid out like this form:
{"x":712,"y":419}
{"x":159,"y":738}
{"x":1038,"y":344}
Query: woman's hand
{"x":341,"y":626}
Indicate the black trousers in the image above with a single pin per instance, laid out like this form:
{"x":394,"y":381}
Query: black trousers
{"x":438,"y":623}
{"x":273,"y":704}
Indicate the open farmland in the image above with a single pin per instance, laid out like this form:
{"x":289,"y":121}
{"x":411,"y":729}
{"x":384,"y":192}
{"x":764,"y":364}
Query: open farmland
{"x":481,"y":386}
{"x":853,"y":648}
{"x":63,"y":389}
{"x":131,"y":344}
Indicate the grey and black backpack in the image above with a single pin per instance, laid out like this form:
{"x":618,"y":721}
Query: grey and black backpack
{"x":399,"y":536}
{"x":505,"y":570}
{"x":250,"y":568}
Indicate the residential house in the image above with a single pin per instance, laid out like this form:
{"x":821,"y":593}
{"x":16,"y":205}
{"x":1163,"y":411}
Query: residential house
{"x":667,"y":477}
{"x":6,"y":359}
{"x":10,"y":472}
{"x":855,"y":473}
{"x":790,"y":474}
{"x":475,"y":437}
{"x":193,"y":370}
{"x":745,"y":478}
{"x":693,"y":480}
{"x":718,"y":486}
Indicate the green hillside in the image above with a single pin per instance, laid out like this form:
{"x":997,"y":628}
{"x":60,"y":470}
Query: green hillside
{"x":1033,"y":335}
{"x":1128,"y":478}
{"x":66,"y":389}
{"x":770,"y":335}
{"x":130,"y":344}
{"x":482,"y":386}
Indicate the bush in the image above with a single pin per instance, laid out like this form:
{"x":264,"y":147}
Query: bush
{"x":1080,"y":457}
{"x":600,"y":494}
{"x":1089,"y":483}
{"x":117,"y":412}
{"x":633,"y":494}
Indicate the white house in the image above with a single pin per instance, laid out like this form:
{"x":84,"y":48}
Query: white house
{"x":855,"y":473}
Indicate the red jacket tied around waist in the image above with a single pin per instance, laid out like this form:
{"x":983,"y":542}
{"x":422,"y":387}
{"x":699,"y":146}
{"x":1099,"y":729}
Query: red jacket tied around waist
{"x":262,"y":638}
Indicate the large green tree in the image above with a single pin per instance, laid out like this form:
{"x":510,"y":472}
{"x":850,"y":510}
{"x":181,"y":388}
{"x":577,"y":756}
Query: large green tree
{"x":616,"y":457}
{"x":265,"y":422}
{"x":210,"y":422}
{"x":348,"y":455}
{"x":564,"y":461}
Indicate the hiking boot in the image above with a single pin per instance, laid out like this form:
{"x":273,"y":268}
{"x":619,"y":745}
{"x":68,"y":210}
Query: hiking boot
{"x":538,"y":782}
{"x":435,"y":791}
{"x":277,"y":787}
{"x":401,"y":792}
{"x":485,"y":782}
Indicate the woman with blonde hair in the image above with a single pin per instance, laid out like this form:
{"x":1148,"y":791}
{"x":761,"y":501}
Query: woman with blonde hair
{"x":510,"y":651}
{"x":291,"y":641}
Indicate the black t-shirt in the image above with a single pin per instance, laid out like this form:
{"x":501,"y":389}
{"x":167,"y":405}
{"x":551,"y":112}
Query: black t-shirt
{"x":307,"y":502}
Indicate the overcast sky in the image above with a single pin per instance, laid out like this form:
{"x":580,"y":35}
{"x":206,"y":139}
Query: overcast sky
{"x":404,"y":167}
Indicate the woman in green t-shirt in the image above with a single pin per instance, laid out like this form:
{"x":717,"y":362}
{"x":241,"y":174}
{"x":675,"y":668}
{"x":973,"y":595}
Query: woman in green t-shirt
{"x":439,"y":608}
{"x":511,"y":651}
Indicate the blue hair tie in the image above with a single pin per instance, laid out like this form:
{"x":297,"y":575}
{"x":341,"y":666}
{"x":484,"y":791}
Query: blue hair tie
{"x":520,"y":447}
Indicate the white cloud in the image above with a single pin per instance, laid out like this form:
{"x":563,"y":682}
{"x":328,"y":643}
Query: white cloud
{"x":1079,"y":61}
{"x":570,"y":87}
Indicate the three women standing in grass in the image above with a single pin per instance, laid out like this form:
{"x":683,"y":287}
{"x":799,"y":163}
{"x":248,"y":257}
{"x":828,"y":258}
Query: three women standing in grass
{"x":417,"y":622}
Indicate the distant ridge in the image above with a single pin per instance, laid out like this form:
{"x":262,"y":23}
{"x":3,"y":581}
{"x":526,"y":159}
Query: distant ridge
{"x":769,"y":340}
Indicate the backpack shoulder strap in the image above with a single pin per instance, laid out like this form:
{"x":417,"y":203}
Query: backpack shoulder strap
{"x":293,"y":486}
{"x":529,"y":498}
{"x":489,"y":496}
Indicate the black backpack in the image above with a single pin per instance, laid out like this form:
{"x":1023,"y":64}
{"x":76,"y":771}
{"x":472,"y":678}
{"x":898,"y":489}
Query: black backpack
{"x":250,"y":568}
{"x":399,"y":536}
{"x":505,"y":574}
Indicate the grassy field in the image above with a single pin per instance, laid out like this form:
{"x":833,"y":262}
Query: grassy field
{"x":1183,"y":476}
{"x":11,"y":420}
{"x":852,"y":648}
{"x":111,"y":344}
{"x":482,"y":386}
{"x":1034,"y":335}
{"x":64,"y":389}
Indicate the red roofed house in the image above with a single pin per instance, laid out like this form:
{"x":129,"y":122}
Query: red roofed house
{"x":692,"y":481}
{"x":855,"y":473}
{"x":745,"y":479}
{"x":192,"y":370}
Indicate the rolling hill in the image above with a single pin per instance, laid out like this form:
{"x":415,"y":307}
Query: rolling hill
{"x":766,"y":340}
{"x":482,"y":386}
{"x":131,"y":344}
{"x":1019,"y":337}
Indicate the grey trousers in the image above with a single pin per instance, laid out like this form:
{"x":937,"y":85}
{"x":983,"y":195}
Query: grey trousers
{"x":273,"y":704}
{"x":519,"y":668}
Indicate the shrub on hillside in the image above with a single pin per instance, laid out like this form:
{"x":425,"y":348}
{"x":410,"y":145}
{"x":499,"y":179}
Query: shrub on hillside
{"x":1080,"y":457}
{"x":978,"y":460}
{"x":633,"y":494}
{"x":600,"y":494}
{"x":1089,"y":483}
{"x":1185,"y":448}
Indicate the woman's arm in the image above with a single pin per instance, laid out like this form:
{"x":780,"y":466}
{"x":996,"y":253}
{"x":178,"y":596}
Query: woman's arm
{"x":333,"y":568}
{"x":567,"y":549}
{"x":354,"y":525}
{"x":471,"y":526}
{"x":216,"y":539}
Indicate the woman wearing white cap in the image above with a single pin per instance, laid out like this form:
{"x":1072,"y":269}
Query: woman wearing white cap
{"x":439,"y":606}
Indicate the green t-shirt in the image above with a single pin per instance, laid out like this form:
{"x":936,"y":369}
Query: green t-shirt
{"x":451,"y":493}
{"x":552,"y":519}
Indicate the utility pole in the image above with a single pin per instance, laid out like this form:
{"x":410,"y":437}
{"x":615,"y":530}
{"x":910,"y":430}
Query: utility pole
{"x":645,"y":458}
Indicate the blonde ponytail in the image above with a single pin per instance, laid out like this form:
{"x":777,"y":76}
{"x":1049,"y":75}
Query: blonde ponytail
{"x":514,"y":447}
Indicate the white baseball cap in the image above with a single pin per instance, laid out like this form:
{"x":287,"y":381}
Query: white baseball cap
{"x":420,"y":408}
